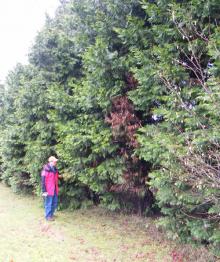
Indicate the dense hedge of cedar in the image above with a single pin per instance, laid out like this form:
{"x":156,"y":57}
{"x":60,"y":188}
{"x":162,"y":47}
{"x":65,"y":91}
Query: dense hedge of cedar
{"x":127,"y":95}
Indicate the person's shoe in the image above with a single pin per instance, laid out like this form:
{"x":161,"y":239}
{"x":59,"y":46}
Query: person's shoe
{"x":50,"y":219}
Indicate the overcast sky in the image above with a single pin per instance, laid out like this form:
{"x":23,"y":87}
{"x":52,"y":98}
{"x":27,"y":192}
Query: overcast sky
{"x":20,"y":20}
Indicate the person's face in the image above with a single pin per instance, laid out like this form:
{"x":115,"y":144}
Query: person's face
{"x":53,"y":163}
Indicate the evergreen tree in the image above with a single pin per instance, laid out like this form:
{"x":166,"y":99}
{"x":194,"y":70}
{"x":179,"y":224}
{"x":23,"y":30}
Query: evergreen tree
{"x":126,"y":94}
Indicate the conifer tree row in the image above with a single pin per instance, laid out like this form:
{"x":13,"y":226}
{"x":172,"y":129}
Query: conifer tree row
{"x":126,"y":94}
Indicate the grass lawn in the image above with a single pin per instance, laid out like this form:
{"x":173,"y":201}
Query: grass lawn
{"x":83,"y":235}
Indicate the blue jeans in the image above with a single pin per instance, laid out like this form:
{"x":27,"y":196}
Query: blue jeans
{"x":50,"y":204}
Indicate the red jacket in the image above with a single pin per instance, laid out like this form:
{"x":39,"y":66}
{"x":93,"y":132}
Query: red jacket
{"x":49,"y":178}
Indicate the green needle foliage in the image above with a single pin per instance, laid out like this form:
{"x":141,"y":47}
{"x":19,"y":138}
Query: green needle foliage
{"x":126,"y":94}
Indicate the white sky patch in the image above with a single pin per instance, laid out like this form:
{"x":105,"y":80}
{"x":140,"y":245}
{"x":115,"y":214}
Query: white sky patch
{"x":20,"y":20}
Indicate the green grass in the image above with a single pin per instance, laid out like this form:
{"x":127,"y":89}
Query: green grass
{"x":82,"y":235}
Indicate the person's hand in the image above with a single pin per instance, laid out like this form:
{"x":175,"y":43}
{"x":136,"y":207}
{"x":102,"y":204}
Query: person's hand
{"x":60,"y":176}
{"x":44,"y":194}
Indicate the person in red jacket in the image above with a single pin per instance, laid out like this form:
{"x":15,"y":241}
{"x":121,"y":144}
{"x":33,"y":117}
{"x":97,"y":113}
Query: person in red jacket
{"x":50,"y":189}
